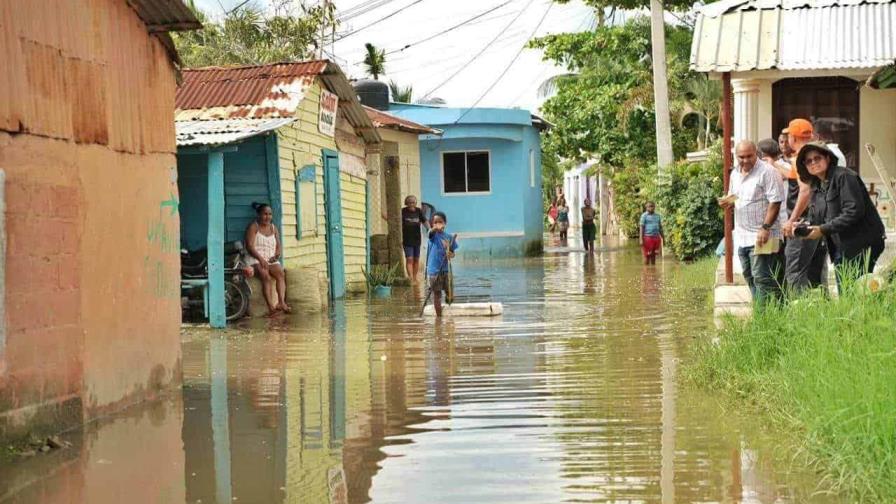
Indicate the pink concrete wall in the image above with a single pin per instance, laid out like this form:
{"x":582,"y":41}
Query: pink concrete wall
{"x":92,"y":270}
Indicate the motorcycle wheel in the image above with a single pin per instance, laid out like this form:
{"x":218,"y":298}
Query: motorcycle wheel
{"x":236,"y":300}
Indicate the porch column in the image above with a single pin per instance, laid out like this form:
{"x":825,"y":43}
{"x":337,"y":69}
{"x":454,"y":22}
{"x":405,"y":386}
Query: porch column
{"x":217,"y":315}
{"x":746,"y":109}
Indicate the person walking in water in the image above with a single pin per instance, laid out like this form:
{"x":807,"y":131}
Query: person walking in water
{"x":652,"y":236}
{"x":589,"y":230}
{"x":441,"y":250}
{"x":412,"y":219}
{"x":552,"y":216}
{"x":563,"y":219}
{"x":265,"y":250}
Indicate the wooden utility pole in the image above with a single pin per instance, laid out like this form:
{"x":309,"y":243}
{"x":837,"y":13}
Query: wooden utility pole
{"x":727,"y":132}
{"x":664,"y":155}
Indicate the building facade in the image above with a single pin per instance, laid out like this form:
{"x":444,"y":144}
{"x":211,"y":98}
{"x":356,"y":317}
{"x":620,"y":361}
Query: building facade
{"x":292,"y":135}
{"x":812,"y":60}
{"x":91,"y":298}
{"x":484,"y":172}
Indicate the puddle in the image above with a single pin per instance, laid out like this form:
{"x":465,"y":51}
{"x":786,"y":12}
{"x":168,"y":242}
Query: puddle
{"x":570,"y":396}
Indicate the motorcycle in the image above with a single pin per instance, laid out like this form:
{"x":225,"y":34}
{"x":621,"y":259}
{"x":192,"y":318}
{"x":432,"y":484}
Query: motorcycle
{"x":194,"y":266}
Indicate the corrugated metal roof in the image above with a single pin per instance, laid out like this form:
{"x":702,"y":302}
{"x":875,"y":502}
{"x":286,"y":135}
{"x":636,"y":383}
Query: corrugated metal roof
{"x":738,"y":35}
{"x":386,"y":120}
{"x":165,"y":15}
{"x":224,"y":131}
{"x":266,"y":91}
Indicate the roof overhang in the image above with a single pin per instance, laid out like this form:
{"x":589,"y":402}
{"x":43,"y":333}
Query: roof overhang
{"x":338,"y":83}
{"x":224,"y":131}
{"x":794,"y":35}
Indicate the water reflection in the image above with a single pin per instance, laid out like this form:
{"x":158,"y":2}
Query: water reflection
{"x":571,"y":396}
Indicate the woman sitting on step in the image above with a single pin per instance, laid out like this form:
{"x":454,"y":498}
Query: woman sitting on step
{"x":265,"y":249}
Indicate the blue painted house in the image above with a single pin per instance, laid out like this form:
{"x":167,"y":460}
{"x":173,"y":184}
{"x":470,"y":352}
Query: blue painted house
{"x":484,"y":172}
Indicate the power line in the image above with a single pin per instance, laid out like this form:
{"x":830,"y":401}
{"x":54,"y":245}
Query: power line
{"x":477,"y":55}
{"x":380,"y":20}
{"x":507,"y":68}
{"x":447,"y":30}
{"x":362,"y":9}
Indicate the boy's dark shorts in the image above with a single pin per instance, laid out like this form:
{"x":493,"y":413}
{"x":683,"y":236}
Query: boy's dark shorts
{"x":438,"y":283}
{"x":412,"y":252}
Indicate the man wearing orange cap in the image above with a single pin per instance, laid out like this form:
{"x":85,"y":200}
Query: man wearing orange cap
{"x":804,"y":259}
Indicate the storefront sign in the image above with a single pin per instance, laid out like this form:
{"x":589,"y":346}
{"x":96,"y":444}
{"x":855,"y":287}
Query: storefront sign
{"x":327,"y":121}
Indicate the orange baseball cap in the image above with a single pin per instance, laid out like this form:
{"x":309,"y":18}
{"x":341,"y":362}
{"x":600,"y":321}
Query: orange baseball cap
{"x":799,"y":128}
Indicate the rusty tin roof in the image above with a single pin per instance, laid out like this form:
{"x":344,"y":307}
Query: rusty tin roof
{"x":386,"y":120}
{"x":165,"y":15}
{"x":266,"y":91}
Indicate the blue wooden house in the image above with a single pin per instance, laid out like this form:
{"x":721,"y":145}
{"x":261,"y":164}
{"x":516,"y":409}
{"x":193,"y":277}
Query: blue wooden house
{"x":484,"y":172}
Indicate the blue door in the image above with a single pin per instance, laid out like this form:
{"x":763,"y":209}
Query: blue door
{"x":335,"y":254}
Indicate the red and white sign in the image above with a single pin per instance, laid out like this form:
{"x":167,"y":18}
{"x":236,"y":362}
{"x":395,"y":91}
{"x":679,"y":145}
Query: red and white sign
{"x":327,"y":120}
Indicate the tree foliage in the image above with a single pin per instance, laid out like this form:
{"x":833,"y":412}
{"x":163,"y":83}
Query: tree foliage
{"x":401,"y":94}
{"x":374,"y":61}
{"x":250,"y":36}
{"x":604,"y":110}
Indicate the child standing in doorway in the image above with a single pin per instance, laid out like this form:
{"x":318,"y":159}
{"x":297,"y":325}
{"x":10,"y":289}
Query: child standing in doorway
{"x":652,"y":237}
{"x":589,"y":229}
{"x":412,"y":219}
{"x":441,"y":250}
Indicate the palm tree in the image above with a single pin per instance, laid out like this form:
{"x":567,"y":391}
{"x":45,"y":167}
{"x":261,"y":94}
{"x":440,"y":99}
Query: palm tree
{"x":703,"y":101}
{"x":401,"y":94}
{"x":375,"y":61}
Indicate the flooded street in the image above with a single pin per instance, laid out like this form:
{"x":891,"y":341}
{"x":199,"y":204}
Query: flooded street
{"x":572,"y":395}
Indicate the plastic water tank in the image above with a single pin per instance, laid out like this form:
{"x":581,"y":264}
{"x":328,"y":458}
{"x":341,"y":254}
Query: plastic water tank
{"x":373,"y":93}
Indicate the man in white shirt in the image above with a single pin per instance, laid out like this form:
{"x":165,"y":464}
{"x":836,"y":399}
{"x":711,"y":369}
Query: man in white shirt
{"x":757,"y":192}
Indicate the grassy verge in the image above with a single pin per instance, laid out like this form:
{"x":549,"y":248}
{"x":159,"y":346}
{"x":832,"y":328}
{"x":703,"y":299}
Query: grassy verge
{"x":694,"y":280}
{"x":824,"y":371}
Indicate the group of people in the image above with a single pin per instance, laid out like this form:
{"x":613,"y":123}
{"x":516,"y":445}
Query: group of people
{"x":264,"y":249}
{"x":650,"y":233}
{"x":796,"y":204}
{"x":558,"y":219}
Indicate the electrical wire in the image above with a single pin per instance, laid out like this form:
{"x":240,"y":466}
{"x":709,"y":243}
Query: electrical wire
{"x":361,"y":9}
{"x":477,"y":55}
{"x":448,"y":30}
{"x":380,"y":20}
{"x":507,"y":68}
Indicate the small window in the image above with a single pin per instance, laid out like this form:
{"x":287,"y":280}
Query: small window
{"x":306,"y":202}
{"x":466,"y":172}
{"x":531,"y":168}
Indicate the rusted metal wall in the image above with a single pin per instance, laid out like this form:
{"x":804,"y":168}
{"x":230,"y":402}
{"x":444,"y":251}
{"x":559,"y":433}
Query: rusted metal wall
{"x":87,"y":143}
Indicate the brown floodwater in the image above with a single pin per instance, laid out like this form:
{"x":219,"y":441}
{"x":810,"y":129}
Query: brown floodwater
{"x":573,"y":395}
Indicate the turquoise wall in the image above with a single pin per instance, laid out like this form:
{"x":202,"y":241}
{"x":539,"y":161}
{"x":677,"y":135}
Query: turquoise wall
{"x":508,"y":221}
{"x":245,"y":181}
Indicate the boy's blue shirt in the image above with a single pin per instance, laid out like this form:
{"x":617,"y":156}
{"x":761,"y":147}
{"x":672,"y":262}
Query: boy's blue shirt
{"x":436,"y":261}
{"x":651,"y":223}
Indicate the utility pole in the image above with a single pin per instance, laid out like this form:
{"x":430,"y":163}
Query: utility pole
{"x":664,"y":155}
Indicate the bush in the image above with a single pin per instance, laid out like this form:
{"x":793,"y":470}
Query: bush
{"x":686,"y":198}
{"x":632,"y":187}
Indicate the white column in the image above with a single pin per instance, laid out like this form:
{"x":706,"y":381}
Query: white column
{"x":746,"y":109}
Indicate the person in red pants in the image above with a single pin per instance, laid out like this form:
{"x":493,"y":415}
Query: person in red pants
{"x":651,"y":233}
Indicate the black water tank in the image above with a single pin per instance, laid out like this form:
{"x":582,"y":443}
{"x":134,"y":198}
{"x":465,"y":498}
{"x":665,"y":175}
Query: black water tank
{"x":373,"y":93}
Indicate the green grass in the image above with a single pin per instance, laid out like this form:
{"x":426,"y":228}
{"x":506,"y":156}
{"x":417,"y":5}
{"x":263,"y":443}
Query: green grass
{"x":694,"y":280}
{"x":824,"y":372}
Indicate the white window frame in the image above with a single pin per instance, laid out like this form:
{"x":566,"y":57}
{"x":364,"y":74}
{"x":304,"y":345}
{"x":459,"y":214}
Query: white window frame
{"x":531,"y":168}
{"x":466,"y":174}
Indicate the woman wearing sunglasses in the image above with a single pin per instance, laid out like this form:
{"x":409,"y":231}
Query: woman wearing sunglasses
{"x":841,"y":212}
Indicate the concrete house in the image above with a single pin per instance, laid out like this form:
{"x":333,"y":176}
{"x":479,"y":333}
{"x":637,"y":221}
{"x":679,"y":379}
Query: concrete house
{"x":809,"y":59}
{"x":289,"y":134}
{"x":90,"y":317}
{"x":398,"y":177}
{"x":486,"y":159}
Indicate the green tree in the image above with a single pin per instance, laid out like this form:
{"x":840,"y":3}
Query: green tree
{"x":703,"y":100}
{"x":401,"y":94}
{"x":247,"y":35}
{"x":374,"y":61}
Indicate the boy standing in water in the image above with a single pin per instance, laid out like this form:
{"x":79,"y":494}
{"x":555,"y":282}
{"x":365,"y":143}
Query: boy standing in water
{"x":589,"y":229}
{"x":651,"y":233}
{"x":441,"y":250}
